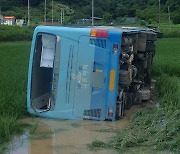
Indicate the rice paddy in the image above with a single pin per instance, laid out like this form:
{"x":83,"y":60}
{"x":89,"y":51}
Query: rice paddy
{"x":13,"y":81}
{"x":156,"y":128}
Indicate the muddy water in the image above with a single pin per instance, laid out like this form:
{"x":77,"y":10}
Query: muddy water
{"x":68,"y":137}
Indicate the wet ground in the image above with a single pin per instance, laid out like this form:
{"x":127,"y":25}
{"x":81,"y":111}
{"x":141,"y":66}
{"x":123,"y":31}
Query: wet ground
{"x":68,"y":136}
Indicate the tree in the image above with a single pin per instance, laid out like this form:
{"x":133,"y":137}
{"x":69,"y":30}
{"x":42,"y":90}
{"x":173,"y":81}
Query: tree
{"x":107,"y":17}
{"x":131,"y":13}
{"x":150,"y":21}
{"x":176,"y":19}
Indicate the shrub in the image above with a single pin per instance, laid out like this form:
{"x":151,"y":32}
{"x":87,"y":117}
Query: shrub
{"x":107,"y":17}
{"x":143,"y":23}
{"x":176,"y":19}
{"x":150,"y":21}
{"x":15,"y":33}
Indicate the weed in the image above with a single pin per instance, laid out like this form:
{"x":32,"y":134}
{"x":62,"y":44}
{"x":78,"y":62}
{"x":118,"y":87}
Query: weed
{"x":96,"y":144}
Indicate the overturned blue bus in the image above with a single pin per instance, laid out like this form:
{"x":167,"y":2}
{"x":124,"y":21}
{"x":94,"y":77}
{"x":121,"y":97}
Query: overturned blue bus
{"x":89,"y":73}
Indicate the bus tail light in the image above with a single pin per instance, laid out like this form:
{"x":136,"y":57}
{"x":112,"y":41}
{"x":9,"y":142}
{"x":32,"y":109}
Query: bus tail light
{"x":115,"y":48}
{"x":110,"y":111}
{"x":99,"y":33}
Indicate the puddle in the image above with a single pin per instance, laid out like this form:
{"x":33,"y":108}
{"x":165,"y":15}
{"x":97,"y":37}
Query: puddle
{"x":68,"y":136}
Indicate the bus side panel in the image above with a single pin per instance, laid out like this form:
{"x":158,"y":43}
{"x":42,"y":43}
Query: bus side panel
{"x":113,"y":74}
{"x":83,"y":87}
{"x":99,"y":79}
{"x":30,"y":72}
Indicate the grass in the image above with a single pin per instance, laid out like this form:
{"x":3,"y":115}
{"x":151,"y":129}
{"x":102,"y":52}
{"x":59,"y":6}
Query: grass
{"x":170,"y":31}
{"x":156,"y":128}
{"x":13,"y":81}
{"x":171,"y":27}
{"x":96,"y":144}
{"x":166,"y":70}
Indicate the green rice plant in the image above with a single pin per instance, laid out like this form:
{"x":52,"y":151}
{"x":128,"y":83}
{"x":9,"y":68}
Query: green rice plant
{"x":170,"y":31}
{"x":169,"y":89}
{"x":9,"y":127}
{"x":13,"y":81}
{"x":166,"y":71}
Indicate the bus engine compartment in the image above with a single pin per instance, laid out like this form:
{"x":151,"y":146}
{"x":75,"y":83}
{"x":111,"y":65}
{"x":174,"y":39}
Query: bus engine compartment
{"x":135,"y":67}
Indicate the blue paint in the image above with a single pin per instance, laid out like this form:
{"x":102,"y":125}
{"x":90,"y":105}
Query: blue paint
{"x":80,"y":55}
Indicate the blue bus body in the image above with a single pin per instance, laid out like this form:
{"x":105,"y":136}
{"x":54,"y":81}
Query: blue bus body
{"x":74,"y":74}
